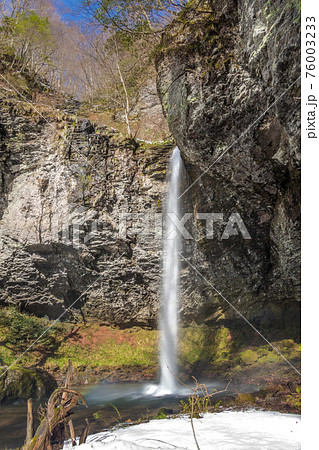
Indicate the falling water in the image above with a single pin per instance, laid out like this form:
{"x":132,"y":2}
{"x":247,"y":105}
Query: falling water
{"x":170,"y":290}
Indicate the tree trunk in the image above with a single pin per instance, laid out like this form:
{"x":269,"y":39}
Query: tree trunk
{"x":127,"y":102}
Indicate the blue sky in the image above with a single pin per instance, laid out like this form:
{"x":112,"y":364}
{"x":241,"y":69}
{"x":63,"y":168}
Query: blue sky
{"x":70,"y":10}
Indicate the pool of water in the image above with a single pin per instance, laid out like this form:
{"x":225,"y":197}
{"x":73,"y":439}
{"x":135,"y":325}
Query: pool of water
{"x":108,"y":404}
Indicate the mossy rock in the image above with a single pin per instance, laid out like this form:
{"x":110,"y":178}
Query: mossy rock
{"x":248,"y":357}
{"x":245,"y":399}
{"x":271,"y":357}
{"x":262,"y":352}
{"x":287,"y":343}
{"x":236,"y":369}
{"x":165,"y":411}
{"x":20,"y":383}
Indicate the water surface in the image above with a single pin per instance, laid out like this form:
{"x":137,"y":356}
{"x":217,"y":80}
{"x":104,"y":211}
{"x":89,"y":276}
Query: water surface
{"x":113,"y":403}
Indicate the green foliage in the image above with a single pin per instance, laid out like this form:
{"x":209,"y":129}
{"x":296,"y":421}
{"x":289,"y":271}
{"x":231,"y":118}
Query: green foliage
{"x":24,"y":330}
{"x":160,"y":416}
{"x":83,"y":344}
{"x":99,"y":416}
{"x":118,"y":417}
{"x":30,"y":23}
{"x":28,"y":26}
{"x":197,"y":404}
{"x":136,"y":347}
{"x":163,"y":413}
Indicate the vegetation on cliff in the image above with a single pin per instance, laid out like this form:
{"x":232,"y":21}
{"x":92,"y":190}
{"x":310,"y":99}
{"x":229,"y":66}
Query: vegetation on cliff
{"x":106,"y":69}
{"x":104,"y":58}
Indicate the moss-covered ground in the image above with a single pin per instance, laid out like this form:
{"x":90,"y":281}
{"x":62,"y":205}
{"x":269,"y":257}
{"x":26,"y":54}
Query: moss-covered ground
{"x":87,"y":345}
{"x":220,"y":350}
{"x":98,"y":351}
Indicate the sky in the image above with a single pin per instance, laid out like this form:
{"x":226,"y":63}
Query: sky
{"x":70,"y":10}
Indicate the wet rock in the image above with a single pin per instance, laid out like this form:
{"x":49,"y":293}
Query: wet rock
{"x":65,"y":186}
{"x":21,"y":384}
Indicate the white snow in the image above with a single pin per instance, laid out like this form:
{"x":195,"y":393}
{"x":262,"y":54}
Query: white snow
{"x":228,"y":430}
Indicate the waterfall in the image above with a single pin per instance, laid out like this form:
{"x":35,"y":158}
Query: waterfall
{"x":170,"y":282}
{"x":170,"y":287}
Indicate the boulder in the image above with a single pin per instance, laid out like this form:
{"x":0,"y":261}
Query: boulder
{"x":21,"y":383}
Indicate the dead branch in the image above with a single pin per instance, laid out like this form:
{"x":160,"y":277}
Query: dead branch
{"x":61,"y":402}
{"x":30,"y":429}
{"x":72,"y":434}
{"x":85,"y":432}
{"x":198,"y":400}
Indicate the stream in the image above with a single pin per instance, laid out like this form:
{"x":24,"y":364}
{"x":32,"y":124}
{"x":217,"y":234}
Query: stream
{"x":130,"y":400}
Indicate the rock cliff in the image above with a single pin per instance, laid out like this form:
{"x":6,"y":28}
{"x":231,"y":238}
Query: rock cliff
{"x":66,"y":189}
{"x":228,"y":77}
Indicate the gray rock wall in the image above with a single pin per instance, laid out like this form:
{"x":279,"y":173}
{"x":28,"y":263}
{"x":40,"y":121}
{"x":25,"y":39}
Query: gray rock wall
{"x":218,"y":72}
{"x":62,"y":197}
{"x":64,"y":188}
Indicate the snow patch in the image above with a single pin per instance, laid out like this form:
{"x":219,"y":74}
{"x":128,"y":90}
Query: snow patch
{"x":228,"y":430}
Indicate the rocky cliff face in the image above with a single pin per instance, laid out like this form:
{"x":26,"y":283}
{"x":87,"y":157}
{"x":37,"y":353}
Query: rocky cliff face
{"x":65,"y":189}
{"x":229,"y":82}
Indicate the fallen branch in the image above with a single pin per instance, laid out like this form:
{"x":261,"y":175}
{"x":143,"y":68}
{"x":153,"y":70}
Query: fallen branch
{"x":72,"y":434}
{"x":61,"y":402}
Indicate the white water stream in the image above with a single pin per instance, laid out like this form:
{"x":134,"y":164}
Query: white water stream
{"x":170,"y":289}
{"x":170,"y":283}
